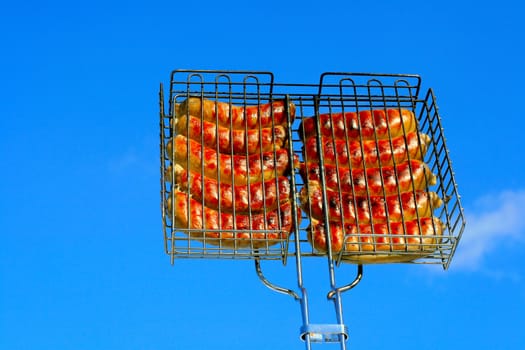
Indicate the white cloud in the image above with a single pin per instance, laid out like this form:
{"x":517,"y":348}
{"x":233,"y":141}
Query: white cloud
{"x":124,"y":162}
{"x":141,"y":156}
{"x":495,"y":221}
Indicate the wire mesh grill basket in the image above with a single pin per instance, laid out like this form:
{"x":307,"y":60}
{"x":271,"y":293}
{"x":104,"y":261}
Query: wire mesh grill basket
{"x":256,"y":169}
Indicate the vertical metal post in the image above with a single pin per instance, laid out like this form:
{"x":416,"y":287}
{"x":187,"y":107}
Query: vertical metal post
{"x":335,"y":332}
{"x":303,"y":300}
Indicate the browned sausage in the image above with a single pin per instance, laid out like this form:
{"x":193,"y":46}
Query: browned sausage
{"x":365,"y":125}
{"x":238,"y":117}
{"x":254,"y":198}
{"x":225,"y":140}
{"x":373,"y":153}
{"x":388,"y":180}
{"x":414,"y":235}
{"x":343,"y":207}
{"x":226,"y":229}
{"x":238,"y":169}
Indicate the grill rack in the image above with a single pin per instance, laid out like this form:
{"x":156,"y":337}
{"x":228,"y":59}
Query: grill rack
{"x":335,"y":91}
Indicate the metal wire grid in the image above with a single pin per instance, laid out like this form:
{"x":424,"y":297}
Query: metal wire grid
{"x":234,"y":88}
{"x":341,"y":92}
{"x":335,"y":92}
{"x":440,"y":164}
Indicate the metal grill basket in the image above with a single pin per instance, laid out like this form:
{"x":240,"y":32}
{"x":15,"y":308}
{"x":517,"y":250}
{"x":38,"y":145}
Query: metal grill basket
{"x":335,"y":93}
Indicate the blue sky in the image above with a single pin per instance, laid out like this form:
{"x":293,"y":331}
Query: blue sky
{"x":82,"y":264}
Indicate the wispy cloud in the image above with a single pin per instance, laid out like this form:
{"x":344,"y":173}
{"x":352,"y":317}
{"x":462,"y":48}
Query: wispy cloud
{"x":495,"y":221}
{"x":141,"y":157}
{"x":124,"y":162}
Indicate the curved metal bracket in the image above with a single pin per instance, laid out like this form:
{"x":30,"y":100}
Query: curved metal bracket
{"x":272,"y":286}
{"x":359,"y":276}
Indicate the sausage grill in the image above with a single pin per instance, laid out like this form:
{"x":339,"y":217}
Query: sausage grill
{"x":355,"y":167}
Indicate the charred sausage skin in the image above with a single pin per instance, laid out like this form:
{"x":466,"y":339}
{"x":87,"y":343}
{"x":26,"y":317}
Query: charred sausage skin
{"x":255,"y":197}
{"x":225,"y":140}
{"x":368,"y":153}
{"x":388,"y":180}
{"x":344,"y":207}
{"x":226,"y":229}
{"x":362,"y":125}
{"x":237,"y":169}
{"x":414,"y":235}
{"x":238,"y":117}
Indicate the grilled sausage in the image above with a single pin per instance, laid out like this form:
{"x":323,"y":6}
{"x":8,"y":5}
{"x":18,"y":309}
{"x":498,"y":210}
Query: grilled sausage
{"x":254,"y":198}
{"x":373,"y":153}
{"x":225,"y":140}
{"x":388,"y":180}
{"x":236,"y":169}
{"x":238,"y":117}
{"x":226,"y":229}
{"x":366,"y":125}
{"x":343,"y":207}
{"x":407,"y":236}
